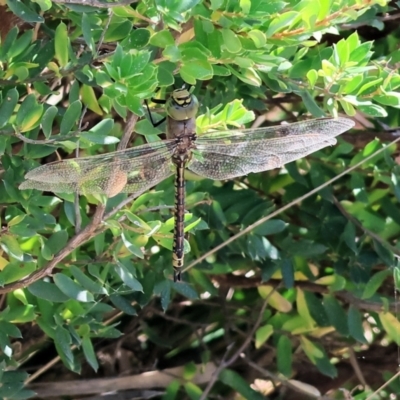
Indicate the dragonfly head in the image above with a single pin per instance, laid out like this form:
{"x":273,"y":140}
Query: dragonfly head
{"x":182,"y":105}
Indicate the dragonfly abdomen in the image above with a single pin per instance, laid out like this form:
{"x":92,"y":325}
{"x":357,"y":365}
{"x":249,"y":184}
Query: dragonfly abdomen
{"x":179,"y":229}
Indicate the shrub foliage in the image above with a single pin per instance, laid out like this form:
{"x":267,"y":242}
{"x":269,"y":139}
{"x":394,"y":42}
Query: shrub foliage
{"x":287,"y":287}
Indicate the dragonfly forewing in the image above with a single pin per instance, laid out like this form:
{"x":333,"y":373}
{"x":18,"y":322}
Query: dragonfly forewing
{"x":130,"y":171}
{"x":220,"y":156}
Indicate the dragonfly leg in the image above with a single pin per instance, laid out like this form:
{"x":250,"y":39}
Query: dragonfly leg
{"x":154,"y":123}
{"x":177,"y":275}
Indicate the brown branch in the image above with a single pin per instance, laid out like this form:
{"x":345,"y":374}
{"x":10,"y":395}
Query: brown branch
{"x":77,"y":240}
{"x":146,"y":380}
{"x":96,"y":3}
{"x":325,"y":22}
{"x":241,"y":282}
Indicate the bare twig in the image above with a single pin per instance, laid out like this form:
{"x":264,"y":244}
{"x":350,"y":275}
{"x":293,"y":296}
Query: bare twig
{"x":226,"y":363}
{"x":129,"y":127}
{"x":96,"y":3}
{"x":356,"y":367}
{"x":103,"y":34}
{"x":393,"y":378}
{"x":144,"y":380}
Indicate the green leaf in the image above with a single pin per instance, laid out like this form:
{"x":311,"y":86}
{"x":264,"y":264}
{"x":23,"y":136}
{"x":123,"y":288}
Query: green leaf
{"x":24,"y":12}
{"x":70,"y":118}
{"x":162,"y":39}
{"x":20,"y":45}
{"x":10,"y":329}
{"x":90,"y":355}
{"x":391,"y":99}
{"x":12,"y":383}
{"x":302,"y":308}
{"x":201,"y":70}
{"x":263,"y":334}
{"x":271,"y":227}
{"x":129,"y":244}
{"x":373,"y":110}
{"x":29,"y":114}
{"x":258,"y":37}
{"x":182,"y":6}
{"x":127,"y":277}
{"x":355,"y":323}
{"x":375,"y":283}
{"x":86,"y":282}
{"x":47,"y":291}
{"x":72,"y":289}
{"x":192,"y":390}
{"x":384,"y":254}
{"x":48,"y":119}
{"x":11,"y":246}
{"x":287,"y":269}
{"x":99,"y":139}
{"x":284,"y":356}
{"x":89,"y":99}
{"x":7,"y":106}
{"x":312,"y":76}
{"x":138,"y":38}
{"x":336,"y":314}
{"x":61,"y":44}
{"x":310,"y":104}
{"x":118,"y":31}
{"x":349,"y":236}
{"x":231,"y":41}
{"x":391,"y":325}
{"x":185,"y":290}
{"x":62,"y":340}
{"x":123,"y":304}
{"x":284,"y":20}
{"x":54,"y":244}
{"x":236,"y":382}
{"x":163,"y":289}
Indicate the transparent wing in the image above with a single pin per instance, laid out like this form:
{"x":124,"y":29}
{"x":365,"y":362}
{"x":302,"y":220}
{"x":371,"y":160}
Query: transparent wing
{"x":228,"y":154}
{"x":132,"y":170}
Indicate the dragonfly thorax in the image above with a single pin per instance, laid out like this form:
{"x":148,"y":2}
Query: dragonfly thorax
{"x":182,"y":105}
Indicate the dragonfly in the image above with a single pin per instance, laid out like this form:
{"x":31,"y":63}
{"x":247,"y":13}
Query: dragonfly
{"x":216,"y":155}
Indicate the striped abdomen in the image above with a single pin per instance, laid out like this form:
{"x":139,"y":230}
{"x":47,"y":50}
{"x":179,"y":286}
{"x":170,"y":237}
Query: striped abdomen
{"x":179,"y":229}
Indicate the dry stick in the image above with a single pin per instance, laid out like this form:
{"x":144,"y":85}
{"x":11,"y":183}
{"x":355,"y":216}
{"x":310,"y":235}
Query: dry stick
{"x":130,"y":125}
{"x":103,"y":34}
{"x":224,"y":364}
{"x":372,"y":396}
{"x":96,"y":3}
{"x":356,"y":367}
{"x":286,"y":207}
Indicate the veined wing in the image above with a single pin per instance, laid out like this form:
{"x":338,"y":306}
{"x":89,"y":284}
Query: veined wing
{"x":228,"y":154}
{"x":132,"y":170}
